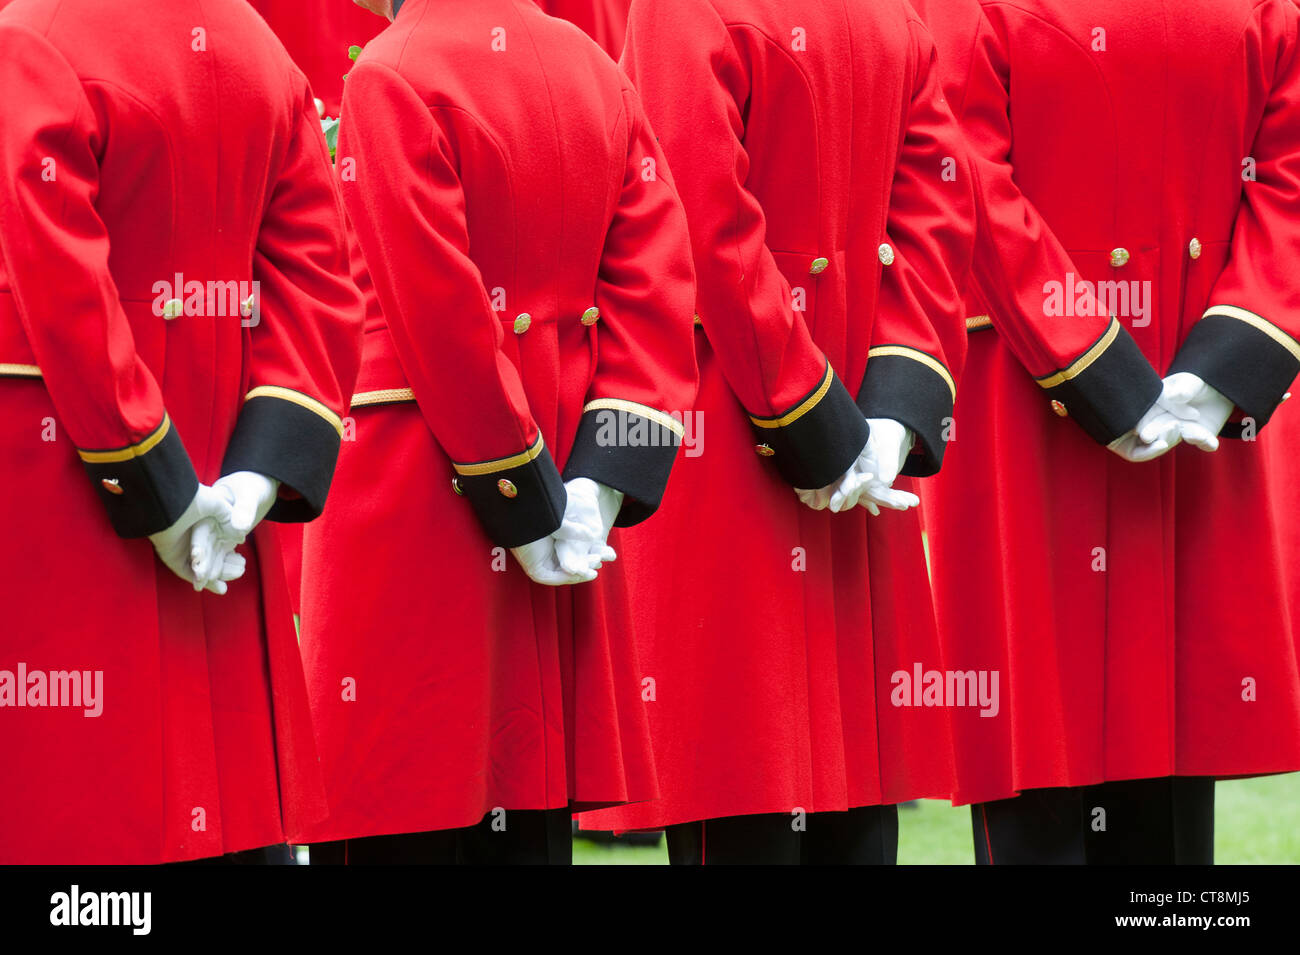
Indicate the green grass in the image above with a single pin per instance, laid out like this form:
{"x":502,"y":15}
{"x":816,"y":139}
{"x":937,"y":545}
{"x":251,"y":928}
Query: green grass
{"x":1257,"y":821}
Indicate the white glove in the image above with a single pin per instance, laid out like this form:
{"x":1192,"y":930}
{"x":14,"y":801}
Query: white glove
{"x":540,"y":563}
{"x":249,"y":496}
{"x":842,"y":493}
{"x":1157,"y":432}
{"x":581,"y":543}
{"x":869,"y":480}
{"x":178,"y":548}
{"x":1200,"y":409}
{"x":888,"y":446}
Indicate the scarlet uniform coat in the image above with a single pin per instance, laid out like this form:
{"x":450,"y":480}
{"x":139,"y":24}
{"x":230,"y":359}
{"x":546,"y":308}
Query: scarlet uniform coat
{"x":187,"y":146}
{"x":318,"y":39}
{"x":821,"y":174}
{"x":1135,"y":611}
{"x":533,"y":264}
{"x":317,"y":35}
{"x":605,"y":21}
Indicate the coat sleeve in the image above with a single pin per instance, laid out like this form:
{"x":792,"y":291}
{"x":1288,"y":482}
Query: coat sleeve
{"x":645,"y":378}
{"x":403,"y":195}
{"x":694,"y":85}
{"x":1246,"y":344}
{"x":1091,"y":365}
{"x":919,"y":336}
{"x":55,"y":250}
{"x":304,"y":332}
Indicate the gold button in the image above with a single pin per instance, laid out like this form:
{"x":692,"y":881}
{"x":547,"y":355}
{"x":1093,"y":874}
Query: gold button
{"x":112,"y":486}
{"x":246,"y":306}
{"x":173,"y":308}
{"x":522,"y":323}
{"x":886,"y":254}
{"x":819,"y":265}
{"x":455,"y":486}
{"x":1119,"y":258}
{"x":1060,"y":409}
{"x":764,"y":450}
{"x":507,"y":488}
{"x":591,"y":316}
{"x":698,"y":322}
{"x":1194,"y":248}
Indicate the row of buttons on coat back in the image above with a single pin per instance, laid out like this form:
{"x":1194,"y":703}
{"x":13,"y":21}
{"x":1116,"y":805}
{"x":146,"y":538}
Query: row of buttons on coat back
{"x":1120,"y":257}
{"x":821,"y":263}
{"x":818,"y":266}
{"x":525,"y":321}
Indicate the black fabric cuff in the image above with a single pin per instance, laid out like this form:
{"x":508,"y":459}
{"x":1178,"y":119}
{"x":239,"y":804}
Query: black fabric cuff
{"x":1246,"y":357}
{"x":147,"y":487}
{"x":296,"y":445}
{"x":817,"y":440}
{"x":914,"y":389}
{"x":519,"y":499}
{"x":1109,"y":388}
{"x":630,"y":451}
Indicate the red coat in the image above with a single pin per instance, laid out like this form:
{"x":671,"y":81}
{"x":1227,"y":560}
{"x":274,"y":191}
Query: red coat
{"x":809,"y":143}
{"x":533,"y":265}
{"x":318,"y":40}
{"x":317,"y":36}
{"x":128,"y":183}
{"x":1134,"y":611}
{"x":605,"y":21}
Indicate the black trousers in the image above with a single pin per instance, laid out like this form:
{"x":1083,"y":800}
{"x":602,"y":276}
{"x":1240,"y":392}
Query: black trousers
{"x":864,"y":836}
{"x":268,"y":855}
{"x":1164,"y":821}
{"x":516,"y":837}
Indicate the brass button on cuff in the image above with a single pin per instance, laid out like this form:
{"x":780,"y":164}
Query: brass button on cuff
{"x":507,"y":488}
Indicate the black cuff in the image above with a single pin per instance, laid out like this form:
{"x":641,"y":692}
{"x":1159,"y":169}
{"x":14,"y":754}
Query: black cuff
{"x":518,"y":499}
{"x":1248,"y":358}
{"x":146,"y":487}
{"x":287,"y":436}
{"x":818,"y":439}
{"x":629,"y":447}
{"x":916,"y":390}
{"x":1108,"y":388}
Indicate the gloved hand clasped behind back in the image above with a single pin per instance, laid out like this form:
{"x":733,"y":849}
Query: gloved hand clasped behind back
{"x":575,"y":552}
{"x":869,"y":481}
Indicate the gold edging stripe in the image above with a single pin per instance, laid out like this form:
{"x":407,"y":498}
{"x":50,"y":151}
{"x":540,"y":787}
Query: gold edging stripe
{"x":500,"y":464}
{"x":1259,"y":322}
{"x":790,"y":417}
{"x":632,"y":407}
{"x":1082,"y":363}
{"x":19,"y":371}
{"x":978,"y":321}
{"x":299,"y":399}
{"x":383,"y":397}
{"x":134,"y":451}
{"x":902,"y":351}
